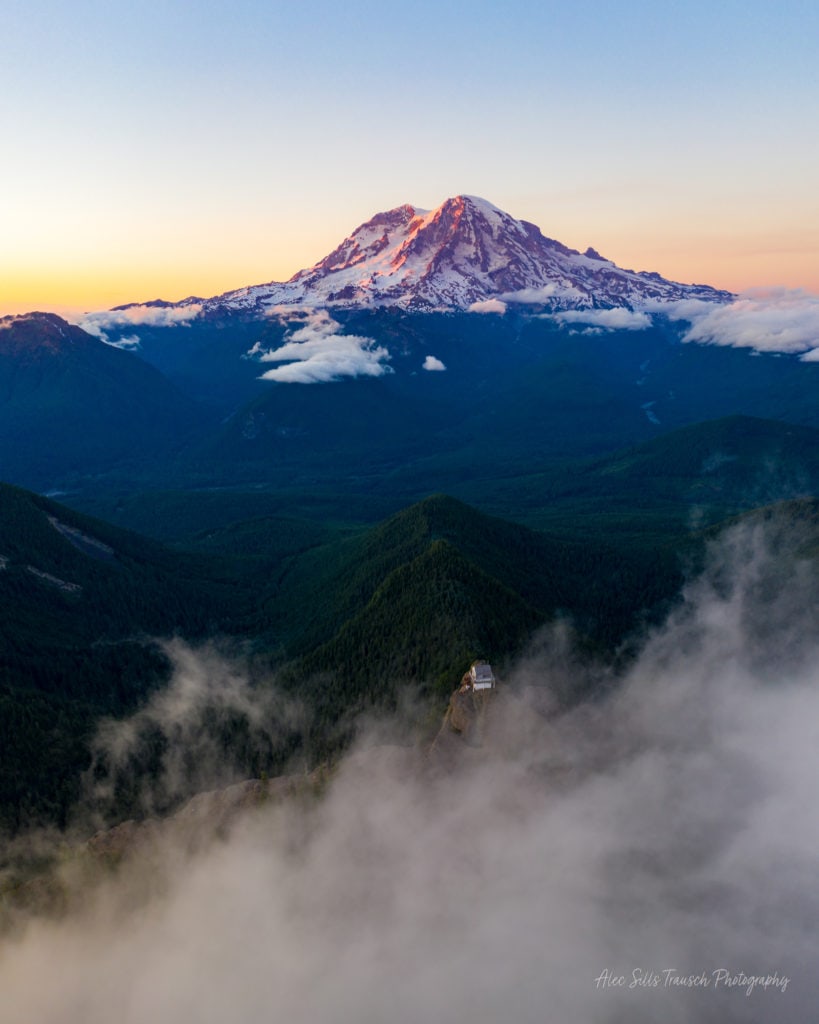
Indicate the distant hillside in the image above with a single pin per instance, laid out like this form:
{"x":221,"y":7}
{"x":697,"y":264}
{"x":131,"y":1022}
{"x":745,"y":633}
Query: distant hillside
{"x":507,"y":396}
{"x":518,"y":396}
{"x":652,"y":491}
{"x":71,"y":405}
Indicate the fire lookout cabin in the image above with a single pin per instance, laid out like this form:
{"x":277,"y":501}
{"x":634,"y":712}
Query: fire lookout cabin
{"x":481,"y":676}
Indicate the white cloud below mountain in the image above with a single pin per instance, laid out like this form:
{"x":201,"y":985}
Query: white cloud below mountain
{"x":766,"y":320}
{"x":136,"y":316}
{"x":316,"y":353}
{"x":549,"y":292}
{"x":488,"y":306}
{"x":618,"y":318}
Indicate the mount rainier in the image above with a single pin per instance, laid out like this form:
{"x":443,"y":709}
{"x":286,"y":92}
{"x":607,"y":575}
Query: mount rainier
{"x":464,"y":253}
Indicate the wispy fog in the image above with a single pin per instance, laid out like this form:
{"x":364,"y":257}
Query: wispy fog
{"x":99,"y":323}
{"x":664,"y":833}
{"x":197,"y":734}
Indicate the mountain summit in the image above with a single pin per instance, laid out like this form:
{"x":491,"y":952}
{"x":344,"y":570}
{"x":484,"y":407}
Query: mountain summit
{"x":68,"y":400}
{"x":33,"y":336}
{"x":466,"y":251}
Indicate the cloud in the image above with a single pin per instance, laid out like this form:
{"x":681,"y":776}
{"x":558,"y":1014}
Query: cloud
{"x":314,"y":322}
{"x":316,"y":352}
{"x":487,"y":306}
{"x":545,"y":294}
{"x":183,"y":727}
{"x":135,"y":316}
{"x":615,"y":319}
{"x":659,"y":832}
{"x":129,"y":342}
{"x":773,"y":320}
{"x":433,"y":363}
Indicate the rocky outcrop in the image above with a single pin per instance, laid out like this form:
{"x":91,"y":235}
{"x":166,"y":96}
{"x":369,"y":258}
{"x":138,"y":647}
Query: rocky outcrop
{"x":463,"y":731}
{"x":204,"y":816}
{"x":466,"y":714}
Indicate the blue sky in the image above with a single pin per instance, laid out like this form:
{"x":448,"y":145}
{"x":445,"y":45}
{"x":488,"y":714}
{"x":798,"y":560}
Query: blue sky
{"x":181,"y":148}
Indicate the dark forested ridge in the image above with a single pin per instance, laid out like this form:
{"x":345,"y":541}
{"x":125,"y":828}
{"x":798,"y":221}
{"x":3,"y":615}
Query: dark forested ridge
{"x":72,"y":407}
{"x":79,"y":600}
{"x":407,"y":601}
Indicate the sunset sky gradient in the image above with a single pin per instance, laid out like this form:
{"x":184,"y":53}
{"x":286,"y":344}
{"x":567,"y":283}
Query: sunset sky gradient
{"x":176,"y":148}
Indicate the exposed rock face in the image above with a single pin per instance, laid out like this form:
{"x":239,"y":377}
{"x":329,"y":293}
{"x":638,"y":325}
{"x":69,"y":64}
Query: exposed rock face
{"x":125,"y":838}
{"x":463,"y":731}
{"x":466,"y":714}
{"x":502,"y":724}
{"x":202,"y":817}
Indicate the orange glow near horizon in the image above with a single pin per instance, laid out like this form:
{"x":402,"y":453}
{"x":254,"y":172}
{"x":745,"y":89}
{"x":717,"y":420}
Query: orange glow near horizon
{"x":723,"y":261}
{"x":726,"y":256}
{"x":91,"y":288}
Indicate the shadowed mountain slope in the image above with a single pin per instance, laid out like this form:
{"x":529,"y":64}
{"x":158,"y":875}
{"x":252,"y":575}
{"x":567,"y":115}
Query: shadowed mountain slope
{"x":71,"y":405}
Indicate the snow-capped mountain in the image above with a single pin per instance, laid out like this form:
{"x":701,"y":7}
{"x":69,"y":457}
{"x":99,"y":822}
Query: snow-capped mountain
{"x":465,"y":252}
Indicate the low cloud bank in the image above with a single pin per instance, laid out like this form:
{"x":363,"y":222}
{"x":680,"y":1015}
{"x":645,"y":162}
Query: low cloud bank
{"x":617,"y":319}
{"x":100,"y":323}
{"x":661,"y":834}
{"x":316,"y":352}
{"x":766,"y":320}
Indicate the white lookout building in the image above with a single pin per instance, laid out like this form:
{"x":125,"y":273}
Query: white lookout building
{"x":481,"y":676}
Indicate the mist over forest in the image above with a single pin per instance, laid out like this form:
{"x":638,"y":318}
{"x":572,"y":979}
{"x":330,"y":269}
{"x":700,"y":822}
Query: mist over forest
{"x":661,"y":828}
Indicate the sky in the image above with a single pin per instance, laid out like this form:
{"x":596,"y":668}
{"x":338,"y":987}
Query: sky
{"x":174,"y":148}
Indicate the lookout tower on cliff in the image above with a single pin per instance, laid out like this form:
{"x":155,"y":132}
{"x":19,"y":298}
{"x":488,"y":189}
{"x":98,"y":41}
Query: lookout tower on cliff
{"x":481,"y":676}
